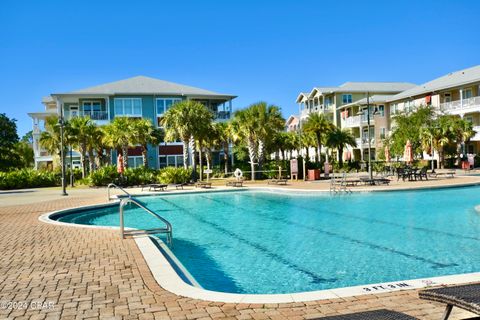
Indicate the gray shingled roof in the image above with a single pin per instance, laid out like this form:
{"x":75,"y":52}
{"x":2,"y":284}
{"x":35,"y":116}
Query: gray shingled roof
{"x":144,"y":85}
{"x":377,"y":98}
{"x":375,"y":86}
{"x":450,"y":80}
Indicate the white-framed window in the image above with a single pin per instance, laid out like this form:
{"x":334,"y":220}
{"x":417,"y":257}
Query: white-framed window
{"x":163,"y":104}
{"x":171,"y":160}
{"x":383,"y":133}
{"x":469,"y":119}
{"x":381,"y":110}
{"x":346,"y":98}
{"x":135,"y":161}
{"x":128,"y":107}
{"x":328,"y":101}
{"x":467,"y":93}
{"x":394,"y":108}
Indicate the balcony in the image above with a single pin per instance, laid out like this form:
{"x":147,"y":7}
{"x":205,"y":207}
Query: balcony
{"x":319,"y":108}
{"x":95,"y":115}
{"x":352,"y":122}
{"x":461,"y":107}
{"x":362,"y":143}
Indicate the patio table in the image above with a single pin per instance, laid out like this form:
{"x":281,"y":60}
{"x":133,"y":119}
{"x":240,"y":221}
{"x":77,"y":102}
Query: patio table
{"x":466,"y":297}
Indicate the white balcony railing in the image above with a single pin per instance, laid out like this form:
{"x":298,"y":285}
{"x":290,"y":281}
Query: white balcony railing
{"x":95,"y":115}
{"x":351,"y":122}
{"x":363,"y":142}
{"x":318,"y":108}
{"x":461,"y":106}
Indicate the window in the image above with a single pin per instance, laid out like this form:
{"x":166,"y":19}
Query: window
{"x":163,"y":104}
{"x":467,"y":93}
{"x":328,"y":101}
{"x":469,"y":119}
{"x":346,"y":98}
{"x":94,"y":110}
{"x":394,"y":108}
{"x":128,"y":107}
{"x":135,"y":161}
{"x":173,"y":160}
{"x":383,"y":133}
{"x":381,"y":110}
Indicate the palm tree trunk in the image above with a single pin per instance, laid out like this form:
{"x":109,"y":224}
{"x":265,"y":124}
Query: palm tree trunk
{"x":261,"y":154}
{"x":185,"y":154}
{"x":252,"y":156}
{"x":340,"y":156}
{"x":194,"y":158}
{"x":91,"y":160}
{"x":82,"y":161}
{"x":144,"y":156}
{"x":225,"y":157}
{"x":200,"y":159}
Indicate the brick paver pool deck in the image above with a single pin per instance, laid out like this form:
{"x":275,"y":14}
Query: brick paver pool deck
{"x":80,"y":273}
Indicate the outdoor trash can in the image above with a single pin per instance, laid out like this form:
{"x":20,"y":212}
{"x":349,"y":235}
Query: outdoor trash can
{"x":314,"y":174}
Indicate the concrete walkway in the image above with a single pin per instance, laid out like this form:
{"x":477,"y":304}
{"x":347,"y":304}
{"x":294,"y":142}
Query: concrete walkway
{"x":55,"y":272}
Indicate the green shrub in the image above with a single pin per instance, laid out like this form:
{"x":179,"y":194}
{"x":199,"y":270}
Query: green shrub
{"x":140,"y":175}
{"x":174,"y":175}
{"x":28,"y":178}
{"x":103,"y":176}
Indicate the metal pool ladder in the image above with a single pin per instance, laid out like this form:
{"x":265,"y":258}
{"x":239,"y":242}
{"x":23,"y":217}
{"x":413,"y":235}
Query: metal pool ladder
{"x":125,"y":201}
{"x":338,"y":184}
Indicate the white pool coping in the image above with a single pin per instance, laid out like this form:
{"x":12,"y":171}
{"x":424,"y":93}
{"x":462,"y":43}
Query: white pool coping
{"x":167,"y":278}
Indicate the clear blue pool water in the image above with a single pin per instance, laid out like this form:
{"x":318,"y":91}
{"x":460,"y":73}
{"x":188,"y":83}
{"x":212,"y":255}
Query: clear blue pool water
{"x":261,"y":242}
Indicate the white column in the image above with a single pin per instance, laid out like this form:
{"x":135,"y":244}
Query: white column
{"x":461,"y":98}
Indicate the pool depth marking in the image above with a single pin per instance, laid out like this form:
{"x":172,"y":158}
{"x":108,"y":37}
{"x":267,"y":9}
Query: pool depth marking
{"x":316,"y":278}
{"x":435,"y":264}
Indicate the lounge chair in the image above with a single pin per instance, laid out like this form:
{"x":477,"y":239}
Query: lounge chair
{"x":234,"y":183}
{"x":447,"y":174}
{"x":155,"y":187}
{"x":466,"y":297}
{"x":277,"y":181}
{"x":381,"y":314}
{"x":178,"y":186}
{"x":202,"y":184}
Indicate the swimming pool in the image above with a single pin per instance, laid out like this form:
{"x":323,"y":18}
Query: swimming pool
{"x":261,"y":242}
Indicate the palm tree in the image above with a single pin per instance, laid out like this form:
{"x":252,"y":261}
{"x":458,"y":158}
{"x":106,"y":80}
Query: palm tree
{"x":244,"y":126}
{"x":50,"y":138}
{"x":145,"y":133}
{"x":319,"y":126}
{"x":119,"y":135}
{"x":223,"y":133}
{"x":185,"y":120}
{"x":438,"y":135}
{"x":94,"y":143}
{"x":81,"y":131}
{"x":339,"y":139}
{"x":463,"y":131}
{"x":269,"y":121}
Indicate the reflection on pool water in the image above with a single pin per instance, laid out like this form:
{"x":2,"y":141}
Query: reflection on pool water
{"x":266,"y":242}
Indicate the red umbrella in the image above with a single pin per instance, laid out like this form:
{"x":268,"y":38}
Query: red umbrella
{"x":387,"y":153}
{"x":408,"y":154}
{"x":120,"y":164}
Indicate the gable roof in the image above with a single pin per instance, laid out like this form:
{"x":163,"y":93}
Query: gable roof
{"x":377,"y":98}
{"x":453,"y":79}
{"x":375,"y":86}
{"x":145,"y":85}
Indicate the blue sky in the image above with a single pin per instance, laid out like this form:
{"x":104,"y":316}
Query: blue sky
{"x":258,"y":50}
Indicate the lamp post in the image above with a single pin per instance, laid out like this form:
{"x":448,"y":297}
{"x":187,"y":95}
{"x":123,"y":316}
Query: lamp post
{"x":62,"y":151}
{"x":370,"y":173}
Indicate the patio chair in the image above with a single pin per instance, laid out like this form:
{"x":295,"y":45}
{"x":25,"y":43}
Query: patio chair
{"x":421,"y":174}
{"x":381,"y":314}
{"x":205,"y":185}
{"x":277,"y":181}
{"x":234,"y":183}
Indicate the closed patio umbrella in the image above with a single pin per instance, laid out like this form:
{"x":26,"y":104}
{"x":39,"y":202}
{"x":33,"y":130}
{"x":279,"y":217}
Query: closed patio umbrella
{"x":120,"y":164}
{"x":408,"y":154}
{"x":387,"y":153}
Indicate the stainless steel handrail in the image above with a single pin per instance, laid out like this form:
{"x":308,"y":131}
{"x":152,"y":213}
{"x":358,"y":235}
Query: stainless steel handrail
{"x":113,"y":185}
{"x":167,"y":230}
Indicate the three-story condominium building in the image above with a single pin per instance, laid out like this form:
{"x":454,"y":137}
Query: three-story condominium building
{"x":457,"y":93}
{"x":140,"y":97}
{"x":345,"y":106}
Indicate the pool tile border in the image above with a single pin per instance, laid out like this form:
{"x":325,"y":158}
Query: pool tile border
{"x":166,"y":276}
